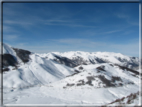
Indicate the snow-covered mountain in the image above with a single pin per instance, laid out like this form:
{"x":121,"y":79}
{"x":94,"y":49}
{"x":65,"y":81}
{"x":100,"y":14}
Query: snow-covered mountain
{"x":75,"y":58}
{"x":23,"y":69}
{"x":26,"y":68}
{"x":98,"y":76}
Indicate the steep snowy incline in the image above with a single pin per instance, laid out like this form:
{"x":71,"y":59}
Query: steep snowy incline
{"x":9,"y":55}
{"x":86,"y":58}
{"x":7,"y":49}
{"x":37,"y":71}
{"x":98,"y":76}
{"x":46,"y":68}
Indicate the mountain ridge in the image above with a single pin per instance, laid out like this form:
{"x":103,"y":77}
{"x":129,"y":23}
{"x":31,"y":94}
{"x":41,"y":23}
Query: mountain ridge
{"x":65,"y":64}
{"x":57,"y":78}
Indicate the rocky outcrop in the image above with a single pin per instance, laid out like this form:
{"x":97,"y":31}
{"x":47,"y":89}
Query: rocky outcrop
{"x":7,"y":60}
{"x":22,"y":54}
{"x":65,"y":61}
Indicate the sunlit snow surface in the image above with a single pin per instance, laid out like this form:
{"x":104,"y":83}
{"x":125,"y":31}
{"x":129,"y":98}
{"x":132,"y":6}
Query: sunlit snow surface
{"x":51,"y":95}
{"x":36,"y":71}
{"x":42,"y":81}
{"x":36,"y":88}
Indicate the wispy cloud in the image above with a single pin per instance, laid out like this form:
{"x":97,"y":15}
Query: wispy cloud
{"x":10,"y":37}
{"x":100,"y":32}
{"x":75,"y":42}
{"x":61,"y":45}
{"x":122,"y":15}
{"x":131,"y":48}
{"x":17,"y":22}
{"x":112,"y":31}
{"x":56,"y":20}
{"x":65,"y":22}
{"x":79,"y":29}
{"x":9,"y":29}
{"x":125,"y":15}
{"x":69,"y":41}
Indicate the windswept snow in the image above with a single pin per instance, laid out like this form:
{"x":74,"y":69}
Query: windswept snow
{"x":7,"y":49}
{"x":69,"y":78}
{"x":37,"y":71}
{"x":43,"y":95}
{"x":97,"y":57}
{"x":91,"y":76}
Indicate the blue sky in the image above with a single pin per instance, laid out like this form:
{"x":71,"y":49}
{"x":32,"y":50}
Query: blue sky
{"x":47,"y":27}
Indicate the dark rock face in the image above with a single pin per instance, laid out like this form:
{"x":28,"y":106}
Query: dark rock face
{"x":81,"y":82}
{"x":70,"y":84}
{"x":107,"y":82}
{"x":100,"y":60}
{"x":81,"y":68}
{"x":78,"y":61}
{"x":128,"y":69}
{"x":72,"y":74}
{"x":5,"y":69}
{"x":131,"y":65}
{"x":8,"y":60}
{"x":76,"y":71}
{"x":124,"y":100}
{"x":22,"y":54}
{"x":75,"y":61}
{"x":116,"y":79}
{"x":90,"y":79}
{"x":101,"y":68}
{"x":65,"y":61}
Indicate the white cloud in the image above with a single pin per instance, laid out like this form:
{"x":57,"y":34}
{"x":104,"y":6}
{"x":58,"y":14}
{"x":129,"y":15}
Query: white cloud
{"x":68,"y":24}
{"x":130,"y":48}
{"x":17,"y":22}
{"x":128,"y":18}
{"x":112,"y":31}
{"x":122,"y":15}
{"x":10,"y":37}
{"x":69,"y":41}
{"x":73,"y":44}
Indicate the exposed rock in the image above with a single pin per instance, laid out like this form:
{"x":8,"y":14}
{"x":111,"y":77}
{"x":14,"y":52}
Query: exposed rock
{"x":115,"y":79}
{"x":107,"y":82}
{"x":76,"y":71}
{"x":5,"y":69}
{"x":65,"y":61}
{"x":69,"y":84}
{"x":90,"y":79}
{"x":22,"y":54}
{"x":8,"y":60}
{"x":128,"y":69}
{"x":80,"y":68}
{"x":101,"y":68}
{"x":125,"y":100}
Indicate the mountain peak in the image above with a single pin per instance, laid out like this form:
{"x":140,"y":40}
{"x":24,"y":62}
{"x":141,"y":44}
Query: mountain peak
{"x":7,"y":49}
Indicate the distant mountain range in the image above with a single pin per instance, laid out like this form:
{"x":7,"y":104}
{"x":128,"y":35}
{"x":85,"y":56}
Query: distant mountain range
{"x":64,"y":77}
{"x":26,"y":68}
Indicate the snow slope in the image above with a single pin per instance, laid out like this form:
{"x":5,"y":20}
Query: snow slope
{"x":42,"y":69}
{"x":47,"y":79}
{"x":51,"y":96}
{"x":36,"y":72}
{"x":96,"y":57}
{"x":98,"y":76}
{"x":7,"y":49}
{"x":109,"y":56}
